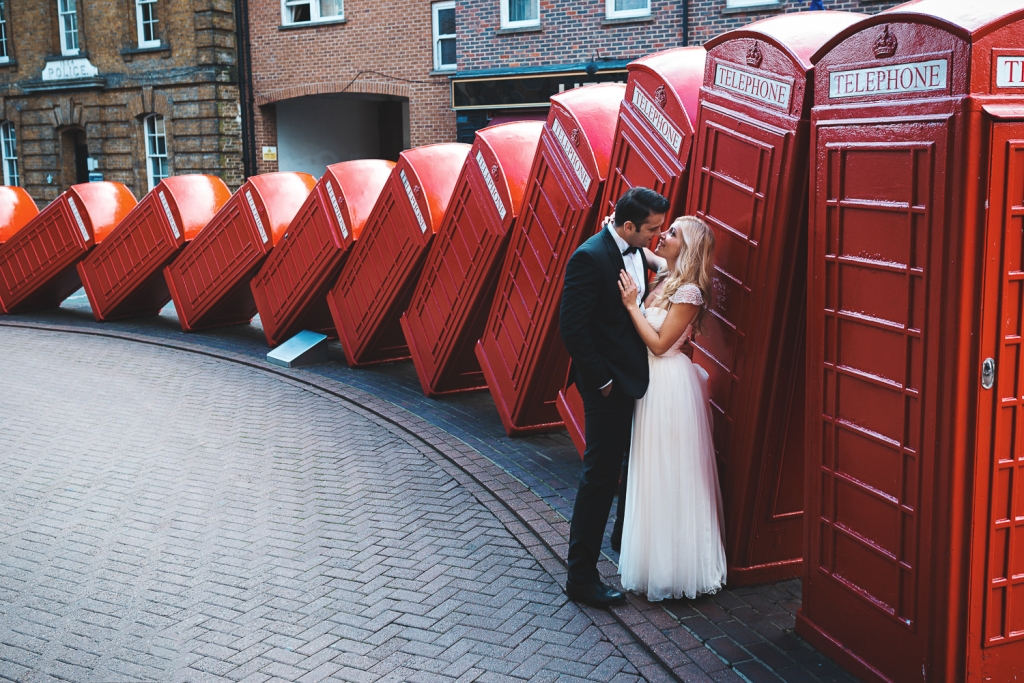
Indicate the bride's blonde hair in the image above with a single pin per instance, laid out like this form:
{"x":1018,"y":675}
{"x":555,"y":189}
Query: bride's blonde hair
{"x":694,"y":265}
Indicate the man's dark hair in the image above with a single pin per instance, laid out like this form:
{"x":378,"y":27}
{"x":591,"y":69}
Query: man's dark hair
{"x":637,"y":204}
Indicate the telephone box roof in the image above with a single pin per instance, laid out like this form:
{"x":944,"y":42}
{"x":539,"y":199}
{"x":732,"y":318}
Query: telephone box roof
{"x":800,"y":34}
{"x":682,"y":70}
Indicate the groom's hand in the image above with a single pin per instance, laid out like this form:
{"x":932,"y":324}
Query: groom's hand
{"x":606,"y":390}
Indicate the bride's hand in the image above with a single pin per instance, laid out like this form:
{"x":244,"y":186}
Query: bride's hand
{"x":628,"y":289}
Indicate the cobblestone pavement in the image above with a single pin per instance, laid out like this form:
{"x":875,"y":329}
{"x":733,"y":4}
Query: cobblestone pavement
{"x":165,"y":516}
{"x":738,"y":634}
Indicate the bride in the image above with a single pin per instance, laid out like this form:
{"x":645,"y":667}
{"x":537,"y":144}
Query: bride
{"x":672,"y":540}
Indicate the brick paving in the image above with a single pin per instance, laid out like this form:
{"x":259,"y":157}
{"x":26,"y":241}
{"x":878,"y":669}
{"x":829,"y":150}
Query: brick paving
{"x":738,"y":634}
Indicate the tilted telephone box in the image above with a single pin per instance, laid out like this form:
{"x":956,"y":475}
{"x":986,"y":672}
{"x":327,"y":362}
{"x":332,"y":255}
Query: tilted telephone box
{"x":17,"y":208}
{"x":520,"y":352}
{"x":449,"y":308}
{"x":378,"y":278}
{"x":749,"y":183}
{"x":209,"y":280}
{"x":123,"y":277}
{"x":291,"y":288}
{"x":915,"y":461}
{"x":653,"y":139}
{"x":37,"y":263}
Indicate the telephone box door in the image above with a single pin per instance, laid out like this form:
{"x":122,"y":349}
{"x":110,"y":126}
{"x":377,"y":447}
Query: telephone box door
{"x":738,"y":170}
{"x":874,"y":317}
{"x":998,"y":538}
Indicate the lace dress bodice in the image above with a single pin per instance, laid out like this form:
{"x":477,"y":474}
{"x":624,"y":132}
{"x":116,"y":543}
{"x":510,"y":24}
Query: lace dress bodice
{"x":687,"y":294}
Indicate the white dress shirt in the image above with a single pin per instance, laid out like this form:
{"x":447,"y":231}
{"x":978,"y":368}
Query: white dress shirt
{"x":634,"y":265}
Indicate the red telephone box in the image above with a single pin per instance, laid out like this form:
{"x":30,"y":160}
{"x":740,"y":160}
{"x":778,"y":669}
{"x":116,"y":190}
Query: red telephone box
{"x":522,"y":358}
{"x":653,"y":137}
{"x":448,"y":310}
{"x":749,"y":182}
{"x":915,"y":495}
{"x":16,"y":209}
{"x":209,"y":280}
{"x":123,"y":277}
{"x":291,"y":288}
{"x":37,"y":264}
{"x":378,"y":278}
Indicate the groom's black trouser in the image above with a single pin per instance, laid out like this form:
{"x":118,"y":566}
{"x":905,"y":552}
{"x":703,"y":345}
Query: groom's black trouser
{"x":609,"y":423}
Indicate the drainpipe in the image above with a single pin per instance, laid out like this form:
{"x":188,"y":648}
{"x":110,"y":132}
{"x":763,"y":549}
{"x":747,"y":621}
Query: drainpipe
{"x":245,"y":96}
{"x":686,"y":22}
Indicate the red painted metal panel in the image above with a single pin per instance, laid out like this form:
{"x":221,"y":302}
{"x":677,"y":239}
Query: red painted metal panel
{"x":37,"y":264}
{"x":16,"y":209}
{"x":749,"y":182}
{"x":522,"y":358}
{"x":291,"y":288}
{"x":448,"y":310}
{"x":653,"y":139}
{"x":209,"y":280}
{"x":377,"y":280}
{"x":123,"y":277}
{"x":913,"y":526}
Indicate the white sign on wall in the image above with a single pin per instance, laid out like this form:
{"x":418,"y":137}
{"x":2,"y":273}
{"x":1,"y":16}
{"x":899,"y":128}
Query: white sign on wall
{"x":1010,"y":72}
{"x":66,"y":69}
{"x":761,"y":88}
{"x":889,"y":80}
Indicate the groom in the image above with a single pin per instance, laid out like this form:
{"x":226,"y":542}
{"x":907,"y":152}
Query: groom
{"x":609,"y":366}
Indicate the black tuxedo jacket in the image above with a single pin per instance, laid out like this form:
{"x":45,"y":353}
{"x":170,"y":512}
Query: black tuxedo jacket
{"x":595,"y":326}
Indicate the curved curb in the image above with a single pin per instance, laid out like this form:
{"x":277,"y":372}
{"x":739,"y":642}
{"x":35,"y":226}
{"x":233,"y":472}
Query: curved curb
{"x":534,"y":524}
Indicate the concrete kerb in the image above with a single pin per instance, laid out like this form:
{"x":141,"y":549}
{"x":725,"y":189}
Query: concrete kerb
{"x":542,"y":531}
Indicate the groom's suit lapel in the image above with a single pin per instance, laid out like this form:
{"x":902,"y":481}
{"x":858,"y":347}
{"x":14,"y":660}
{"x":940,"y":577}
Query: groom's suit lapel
{"x":615,"y":258}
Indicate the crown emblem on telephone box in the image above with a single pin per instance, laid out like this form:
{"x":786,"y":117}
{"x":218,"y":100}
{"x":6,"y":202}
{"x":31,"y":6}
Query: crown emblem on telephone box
{"x":754,"y":56}
{"x":575,"y":136}
{"x":660,"y":97}
{"x":885,"y":44}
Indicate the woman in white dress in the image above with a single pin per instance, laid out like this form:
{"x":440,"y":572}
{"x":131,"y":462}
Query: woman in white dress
{"x":672,"y":540}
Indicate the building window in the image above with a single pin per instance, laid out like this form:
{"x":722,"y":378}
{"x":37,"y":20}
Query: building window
{"x":741,"y":4}
{"x":520,"y":13}
{"x":10,"y":153}
{"x":145,"y":22}
{"x":68,"y":17}
{"x":624,"y":9}
{"x":444,"y":35}
{"x":308,"y":11}
{"x":156,"y":150}
{"x":5,"y":53}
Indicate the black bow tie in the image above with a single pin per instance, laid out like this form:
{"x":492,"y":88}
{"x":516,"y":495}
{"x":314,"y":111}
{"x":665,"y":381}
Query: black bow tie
{"x":630,"y":250}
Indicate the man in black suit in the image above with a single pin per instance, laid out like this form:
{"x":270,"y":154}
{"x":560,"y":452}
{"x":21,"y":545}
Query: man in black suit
{"x":609,"y":366}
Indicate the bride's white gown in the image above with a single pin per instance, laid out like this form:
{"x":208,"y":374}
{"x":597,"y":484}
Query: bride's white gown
{"x":672,"y":539}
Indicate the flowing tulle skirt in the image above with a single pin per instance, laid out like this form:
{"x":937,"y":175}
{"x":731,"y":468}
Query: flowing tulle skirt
{"x":672,"y":540}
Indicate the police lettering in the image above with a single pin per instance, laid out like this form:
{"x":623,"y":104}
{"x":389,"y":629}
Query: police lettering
{"x":897,"y":78}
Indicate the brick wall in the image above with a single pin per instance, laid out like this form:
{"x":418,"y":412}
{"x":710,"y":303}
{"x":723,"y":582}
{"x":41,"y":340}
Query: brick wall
{"x":570,"y":32}
{"x":382,"y":48}
{"x":708,"y":18}
{"x":191,"y":80}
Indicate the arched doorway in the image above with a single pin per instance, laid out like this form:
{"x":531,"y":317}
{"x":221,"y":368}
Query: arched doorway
{"x":74,"y":157}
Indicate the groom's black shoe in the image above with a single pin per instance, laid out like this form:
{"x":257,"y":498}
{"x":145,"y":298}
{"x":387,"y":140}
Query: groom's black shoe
{"x":594,"y":594}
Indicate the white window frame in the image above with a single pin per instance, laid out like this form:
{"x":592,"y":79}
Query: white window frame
{"x":140,"y":23}
{"x":9,"y":151}
{"x":505,"y":23}
{"x":63,"y":17}
{"x":4,"y":47}
{"x":314,"y":13}
{"x":435,"y":27}
{"x":612,"y":13}
{"x":154,"y":157}
{"x":743,"y":4}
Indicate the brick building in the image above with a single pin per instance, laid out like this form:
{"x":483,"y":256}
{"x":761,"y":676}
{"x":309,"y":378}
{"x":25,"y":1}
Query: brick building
{"x":334,"y":80}
{"x":708,"y":18}
{"x":341,"y":79}
{"x":124,"y":90}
